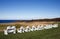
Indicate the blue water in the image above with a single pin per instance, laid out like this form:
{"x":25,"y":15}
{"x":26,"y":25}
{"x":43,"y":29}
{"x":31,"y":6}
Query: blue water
{"x":7,"y":21}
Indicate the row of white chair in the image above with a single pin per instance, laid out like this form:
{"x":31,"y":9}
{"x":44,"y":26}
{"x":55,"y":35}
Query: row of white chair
{"x":33,"y":28}
{"x":12,"y":29}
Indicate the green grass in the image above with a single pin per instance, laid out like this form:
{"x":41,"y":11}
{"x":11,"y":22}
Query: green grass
{"x":53,"y":33}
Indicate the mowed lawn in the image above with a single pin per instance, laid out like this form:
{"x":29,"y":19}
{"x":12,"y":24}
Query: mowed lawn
{"x":53,"y":33}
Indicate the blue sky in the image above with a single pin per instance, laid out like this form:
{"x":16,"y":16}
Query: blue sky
{"x":29,"y":9}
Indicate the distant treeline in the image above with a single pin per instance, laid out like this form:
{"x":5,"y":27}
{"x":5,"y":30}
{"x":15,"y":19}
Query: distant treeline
{"x":33,"y":20}
{"x":54,"y":19}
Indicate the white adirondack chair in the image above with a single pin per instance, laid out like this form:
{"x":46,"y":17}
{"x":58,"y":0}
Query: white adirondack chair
{"x":33,"y":28}
{"x":48,"y":26}
{"x":21,"y":29}
{"x":10,"y":29}
{"x":39,"y":27}
{"x":55,"y":25}
{"x":27,"y":29}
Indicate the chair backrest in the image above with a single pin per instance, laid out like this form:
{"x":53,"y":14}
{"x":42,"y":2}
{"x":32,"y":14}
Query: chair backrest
{"x":22,"y":28}
{"x":27,"y":27}
{"x":38,"y":26}
{"x":11,"y":28}
{"x":33,"y":27}
{"x":8,"y":27}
